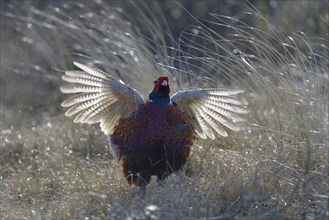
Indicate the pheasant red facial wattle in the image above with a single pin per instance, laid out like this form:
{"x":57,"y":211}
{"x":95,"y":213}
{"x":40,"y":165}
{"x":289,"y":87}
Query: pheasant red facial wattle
{"x":151,"y":137}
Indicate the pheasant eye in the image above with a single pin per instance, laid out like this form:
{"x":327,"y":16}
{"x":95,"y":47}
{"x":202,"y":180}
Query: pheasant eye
{"x":155,"y":81}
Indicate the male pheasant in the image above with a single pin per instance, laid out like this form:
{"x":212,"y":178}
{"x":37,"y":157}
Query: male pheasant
{"x":151,"y":138}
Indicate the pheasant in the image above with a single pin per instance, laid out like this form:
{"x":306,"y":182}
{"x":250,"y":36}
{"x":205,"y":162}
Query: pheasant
{"x":152,"y":137}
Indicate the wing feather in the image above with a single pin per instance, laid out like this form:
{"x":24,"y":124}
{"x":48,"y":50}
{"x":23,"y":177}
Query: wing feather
{"x":224,"y":112}
{"x":211,"y":110}
{"x":216,"y":126}
{"x":228,"y":100}
{"x":98,"y":97}
{"x":197,"y":126}
{"x":80,"y":98}
{"x":200,"y":116}
{"x":75,"y":88}
{"x":83,"y":106}
{"x":92,"y":81}
{"x":95,"y":109}
{"x":206,"y":125}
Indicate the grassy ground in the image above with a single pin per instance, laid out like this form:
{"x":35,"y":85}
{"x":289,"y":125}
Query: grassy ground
{"x":276,"y":167}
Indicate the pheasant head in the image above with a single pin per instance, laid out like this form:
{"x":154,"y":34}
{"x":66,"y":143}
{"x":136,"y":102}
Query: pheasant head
{"x":160,"y":93}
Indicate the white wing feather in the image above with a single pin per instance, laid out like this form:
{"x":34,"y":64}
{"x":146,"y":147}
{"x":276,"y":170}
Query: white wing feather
{"x":99,"y":97}
{"x":211,"y":110}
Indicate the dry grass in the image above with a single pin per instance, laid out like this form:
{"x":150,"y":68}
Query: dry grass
{"x":276,"y":167}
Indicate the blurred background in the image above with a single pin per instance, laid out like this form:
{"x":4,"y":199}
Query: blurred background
{"x":35,"y":50}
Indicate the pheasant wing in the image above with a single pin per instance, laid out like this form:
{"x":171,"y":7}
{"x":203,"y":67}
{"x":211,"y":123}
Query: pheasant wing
{"x":98,"y":97}
{"x":211,"y":110}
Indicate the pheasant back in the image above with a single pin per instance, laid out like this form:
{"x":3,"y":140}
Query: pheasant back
{"x":154,"y":140}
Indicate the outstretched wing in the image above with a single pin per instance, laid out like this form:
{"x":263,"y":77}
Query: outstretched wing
{"x":211,"y":110}
{"x":99,"y":97}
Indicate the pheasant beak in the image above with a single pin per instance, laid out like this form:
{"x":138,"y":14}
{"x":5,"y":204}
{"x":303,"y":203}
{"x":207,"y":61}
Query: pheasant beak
{"x":164,"y":83}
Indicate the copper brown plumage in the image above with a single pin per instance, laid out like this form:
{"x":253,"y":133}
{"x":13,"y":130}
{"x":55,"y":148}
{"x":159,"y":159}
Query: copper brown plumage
{"x":151,"y":138}
{"x":154,"y":140}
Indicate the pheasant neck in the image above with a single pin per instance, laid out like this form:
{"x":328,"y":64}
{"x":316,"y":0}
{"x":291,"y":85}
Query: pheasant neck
{"x":159,"y":98}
